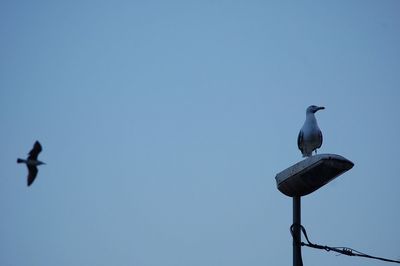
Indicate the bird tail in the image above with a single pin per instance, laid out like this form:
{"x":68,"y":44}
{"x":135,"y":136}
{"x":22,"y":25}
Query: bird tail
{"x":20,"y":160}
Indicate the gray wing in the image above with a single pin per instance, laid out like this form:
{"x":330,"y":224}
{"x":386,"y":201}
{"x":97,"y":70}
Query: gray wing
{"x":37,"y":148}
{"x":300,"y":141}
{"x":320,"y":139}
{"x":32,"y":172}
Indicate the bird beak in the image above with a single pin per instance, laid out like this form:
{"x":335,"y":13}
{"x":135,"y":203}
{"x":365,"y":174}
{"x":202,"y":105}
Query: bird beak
{"x":320,"y":108}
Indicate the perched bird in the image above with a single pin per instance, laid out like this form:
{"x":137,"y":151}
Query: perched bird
{"x":310,"y":136}
{"x":32,"y":162}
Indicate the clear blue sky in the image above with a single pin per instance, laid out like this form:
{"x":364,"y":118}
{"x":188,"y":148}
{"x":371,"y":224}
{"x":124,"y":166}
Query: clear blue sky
{"x":164,"y":123}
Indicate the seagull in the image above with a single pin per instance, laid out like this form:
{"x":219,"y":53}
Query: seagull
{"x":32,"y":162}
{"x":310,"y":136}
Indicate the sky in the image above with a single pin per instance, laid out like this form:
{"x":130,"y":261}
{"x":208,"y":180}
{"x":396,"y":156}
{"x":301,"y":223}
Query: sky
{"x":164,"y":124}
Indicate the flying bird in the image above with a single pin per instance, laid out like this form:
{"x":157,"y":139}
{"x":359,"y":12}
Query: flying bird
{"x":310,"y":136}
{"x":32,"y":162}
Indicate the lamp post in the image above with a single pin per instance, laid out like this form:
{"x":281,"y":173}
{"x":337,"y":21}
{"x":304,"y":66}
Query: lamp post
{"x":296,"y":231}
{"x":304,"y":178}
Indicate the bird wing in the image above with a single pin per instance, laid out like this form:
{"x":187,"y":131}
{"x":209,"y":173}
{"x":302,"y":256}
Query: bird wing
{"x":320,"y":139}
{"x":37,"y":148}
{"x":32,"y":172}
{"x":300,"y":141}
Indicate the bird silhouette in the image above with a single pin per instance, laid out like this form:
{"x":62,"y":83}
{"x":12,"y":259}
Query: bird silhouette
{"x":310,"y":136}
{"x":32,"y":162}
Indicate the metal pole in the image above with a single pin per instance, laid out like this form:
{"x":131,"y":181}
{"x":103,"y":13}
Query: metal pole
{"x":297,"y":261}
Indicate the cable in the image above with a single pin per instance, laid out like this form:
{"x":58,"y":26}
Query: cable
{"x":342,"y":250}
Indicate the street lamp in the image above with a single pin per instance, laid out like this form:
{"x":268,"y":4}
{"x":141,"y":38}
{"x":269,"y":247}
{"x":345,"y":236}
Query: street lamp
{"x":304,"y":178}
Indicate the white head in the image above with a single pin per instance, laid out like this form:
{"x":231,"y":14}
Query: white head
{"x":312,"y":109}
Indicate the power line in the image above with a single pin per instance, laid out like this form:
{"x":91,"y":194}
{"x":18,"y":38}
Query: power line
{"x":342,"y":250}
